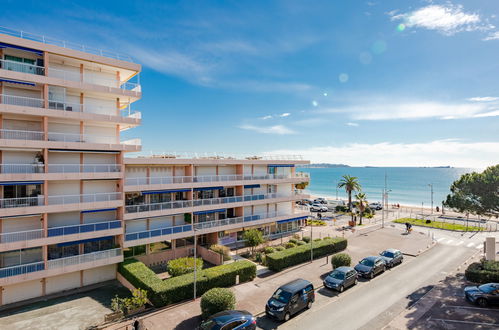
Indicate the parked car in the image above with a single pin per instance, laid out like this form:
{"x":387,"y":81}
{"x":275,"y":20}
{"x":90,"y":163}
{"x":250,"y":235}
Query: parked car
{"x":306,"y":202}
{"x":316,"y":207}
{"x":332,"y":204}
{"x":228,"y":320}
{"x":483,"y":295}
{"x":376,"y":206}
{"x":341,"y":278}
{"x":289,"y":299}
{"x":320,"y":200}
{"x":370,"y":266}
{"x":392,"y":257}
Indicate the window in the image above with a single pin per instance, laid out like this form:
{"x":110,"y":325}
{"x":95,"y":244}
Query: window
{"x":134,"y":199}
{"x":56,"y":252}
{"x":232,"y":325}
{"x":160,"y":246}
{"x":96,"y":246}
{"x":20,"y":191}
{"x":134,"y":251}
{"x":161,"y":198}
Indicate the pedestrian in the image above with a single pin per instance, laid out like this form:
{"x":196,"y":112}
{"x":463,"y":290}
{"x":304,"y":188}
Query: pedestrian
{"x":438,"y":209}
{"x":319,"y":215}
{"x":136,"y":324}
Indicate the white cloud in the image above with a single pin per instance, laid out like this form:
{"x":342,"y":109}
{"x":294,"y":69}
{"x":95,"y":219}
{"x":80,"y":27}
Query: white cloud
{"x":433,"y":153}
{"x":283,"y":115}
{"x":447,"y":19}
{"x":483,"y":99}
{"x":353,"y":124}
{"x":492,"y":36}
{"x":276,"y":129}
{"x":380,"y":110}
{"x":266,"y":117}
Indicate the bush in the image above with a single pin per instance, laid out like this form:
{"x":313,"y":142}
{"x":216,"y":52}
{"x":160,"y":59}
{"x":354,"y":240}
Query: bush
{"x":258,"y":257}
{"x":269,"y":250}
{"x":217,"y":300}
{"x":483,"y":272}
{"x":222,"y":250}
{"x":296,"y":236}
{"x":293,"y":240}
{"x":289,"y":245}
{"x":277,"y":261}
{"x":280,"y":248}
{"x":179,"y":288}
{"x":300,"y":243}
{"x":341,"y":259}
{"x":126,"y":305}
{"x":306,"y":239}
{"x":181,"y":266}
{"x":341,"y":208}
{"x":317,"y":239}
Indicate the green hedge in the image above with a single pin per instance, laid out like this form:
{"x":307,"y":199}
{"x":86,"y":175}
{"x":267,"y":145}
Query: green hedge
{"x":341,"y":259}
{"x":179,"y":288}
{"x":483,"y":272}
{"x":217,"y":300}
{"x":181,"y":266}
{"x":277,"y":261}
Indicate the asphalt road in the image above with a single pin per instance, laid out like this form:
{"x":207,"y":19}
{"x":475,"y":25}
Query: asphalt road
{"x":373,"y":304}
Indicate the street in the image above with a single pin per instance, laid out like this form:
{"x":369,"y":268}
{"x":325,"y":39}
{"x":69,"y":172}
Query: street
{"x":373,"y":304}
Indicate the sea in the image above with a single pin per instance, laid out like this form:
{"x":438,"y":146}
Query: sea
{"x":409,"y":185}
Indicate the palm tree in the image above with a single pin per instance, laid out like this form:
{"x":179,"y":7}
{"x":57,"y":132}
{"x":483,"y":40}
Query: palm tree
{"x":350,"y":183}
{"x":362,"y":205}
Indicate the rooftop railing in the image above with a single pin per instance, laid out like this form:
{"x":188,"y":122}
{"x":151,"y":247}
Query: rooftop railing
{"x":64,"y":44}
{"x":22,"y":67}
{"x":215,"y":155}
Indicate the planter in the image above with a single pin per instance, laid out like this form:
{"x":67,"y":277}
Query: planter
{"x":115,"y":316}
{"x":351,"y":223}
{"x":136,"y":311}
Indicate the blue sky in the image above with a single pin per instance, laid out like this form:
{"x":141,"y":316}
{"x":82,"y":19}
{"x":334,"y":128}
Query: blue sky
{"x":381,"y":83}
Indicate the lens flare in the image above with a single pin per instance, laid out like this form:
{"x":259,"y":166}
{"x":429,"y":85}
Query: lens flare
{"x":343,"y":77}
{"x":325,"y":94}
{"x":378,"y":47}
{"x":315,"y":103}
{"x":400,"y":27}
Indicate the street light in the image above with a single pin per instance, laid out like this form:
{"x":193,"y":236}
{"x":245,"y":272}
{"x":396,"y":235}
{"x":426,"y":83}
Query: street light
{"x":311,"y":243}
{"x":431,"y":192}
{"x":195,"y":258}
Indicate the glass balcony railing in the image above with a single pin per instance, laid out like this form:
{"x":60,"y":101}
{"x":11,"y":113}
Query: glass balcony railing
{"x":59,"y":200}
{"x":22,"y":67}
{"x":22,"y":269}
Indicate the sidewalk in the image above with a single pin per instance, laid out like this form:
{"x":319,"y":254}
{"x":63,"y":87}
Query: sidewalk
{"x":253,"y":296}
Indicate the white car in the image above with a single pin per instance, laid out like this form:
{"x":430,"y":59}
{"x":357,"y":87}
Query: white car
{"x":316,"y":207}
{"x":376,"y":206}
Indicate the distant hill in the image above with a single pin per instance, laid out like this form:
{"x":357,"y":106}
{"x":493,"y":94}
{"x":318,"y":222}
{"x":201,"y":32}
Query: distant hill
{"x":322,"y":165}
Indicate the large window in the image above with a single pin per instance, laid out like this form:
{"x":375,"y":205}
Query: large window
{"x":134,"y":251}
{"x":204,"y":194}
{"x":96,"y":246}
{"x":19,"y":59}
{"x":161,"y":198}
{"x":226,"y":192}
{"x":134,"y":199}
{"x":20,"y":191}
{"x":56,"y":252}
{"x":20,"y":257}
{"x":160,"y":246}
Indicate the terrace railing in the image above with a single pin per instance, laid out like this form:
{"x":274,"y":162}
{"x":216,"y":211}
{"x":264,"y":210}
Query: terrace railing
{"x":83,"y":258}
{"x":22,"y":67}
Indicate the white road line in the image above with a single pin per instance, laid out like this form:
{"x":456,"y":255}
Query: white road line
{"x":470,"y":307}
{"x":449,"y":241}
{"x":459,"y":243}
{"x":470,"y":244}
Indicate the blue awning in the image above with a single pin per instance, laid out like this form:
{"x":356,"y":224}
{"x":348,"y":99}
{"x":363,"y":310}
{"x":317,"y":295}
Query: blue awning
{"x":164,"y":191}
{"x":101,"y":210}
{"x":208,"y":188}
{"x":85,"y":241}
{"x":281,"y":165}
{"x":210,"y":211}
{"x":252,"y":186}
{"x":36,"y":51}
{"x":292,"y":219}
{"x":17,"y":82}
{"x":17,"y":183}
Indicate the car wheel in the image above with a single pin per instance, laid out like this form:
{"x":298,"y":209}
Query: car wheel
{"x":482,"y":302}
{"x":309,"y":305}
{"x":383,"y":269}
{"x":286,"y":317}
{"x":356,"y":281}
{"x":371,"y":275}
{"x":341,"y":289}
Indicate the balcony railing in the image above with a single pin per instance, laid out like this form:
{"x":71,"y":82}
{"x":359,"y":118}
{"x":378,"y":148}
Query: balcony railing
{"x":216,"y":155}
{"x":21,"y":168}
{"x":199,"y":202}
{"x":11,"y":134}
{"x":84,"y":198}
{"x":83,"y":258}
{"x":68,"y":137}
{"x":22,"y":269}
{"x":83,"y":228}
{"x":158,"y":232}
{"x":21,"y":101}
{"x":84,"y":168}
{"x":21,"y":202}
{"x":22,"y":67}
{"x":30,"y":235}
{"x":203,"y":178}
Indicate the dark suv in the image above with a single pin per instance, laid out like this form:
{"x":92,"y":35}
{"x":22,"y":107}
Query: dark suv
{"x":370,"y":266}
{"x":228,"y":320}
{"x":392,"y":257}
{"x":341,"y":278}
{"x":289,"y":299}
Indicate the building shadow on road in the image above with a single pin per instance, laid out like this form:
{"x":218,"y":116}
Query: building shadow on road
{"x":189,"y":324}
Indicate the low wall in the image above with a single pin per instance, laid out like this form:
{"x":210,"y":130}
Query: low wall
{"x":210,"y":256}
{"x":161,"y":258}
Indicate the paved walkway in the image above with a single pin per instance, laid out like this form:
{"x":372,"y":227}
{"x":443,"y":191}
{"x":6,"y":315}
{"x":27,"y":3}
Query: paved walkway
{"x":253,"y":296}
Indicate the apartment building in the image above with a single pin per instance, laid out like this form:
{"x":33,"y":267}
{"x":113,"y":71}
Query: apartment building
{"x":72,"y":206}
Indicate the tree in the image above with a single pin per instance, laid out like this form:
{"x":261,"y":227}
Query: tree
{"x":362,"y":204}
{"x":476,"y":193}
{"x":253,"y":238}
{"x":350,"y":183}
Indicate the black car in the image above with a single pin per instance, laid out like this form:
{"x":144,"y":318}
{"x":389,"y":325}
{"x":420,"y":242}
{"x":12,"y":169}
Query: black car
{"x":392,"y":257}
{"x":228,"y":320}
{"x":483,"y":295}
{"x":370,"y":266}
{"x":341,"y":278}
{"x":289,"y":299}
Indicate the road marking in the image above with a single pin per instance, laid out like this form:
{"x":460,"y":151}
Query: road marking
{"x":470,"y":244}
{"x":461,"y":242}
{"x":471,"y":307}
{"x":440,"y":239}
{"x":450,"y":241}
{"x":466,"y":322}
{"x":479,"y":246}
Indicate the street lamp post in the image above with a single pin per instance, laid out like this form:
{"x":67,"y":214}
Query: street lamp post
{"x":383,"y":209}
{"x":431,"y":193}
{"x":311,"y":242}
{"x":195,"y":259}
{"x":336,"y":193}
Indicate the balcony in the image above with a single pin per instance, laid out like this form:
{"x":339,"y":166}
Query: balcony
{"x":33,"y":238}
{"x":36,"y":171}
{"x":22,"y":67}
{"x":84,"y":168}
{"x":40,"y":269}
{"x":186,"y":230}
{"x":202,"y":204}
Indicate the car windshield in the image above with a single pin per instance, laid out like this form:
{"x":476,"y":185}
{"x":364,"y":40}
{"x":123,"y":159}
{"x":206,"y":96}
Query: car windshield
{"x":282,"y":296}
{"x":367,"y":262}
{"x":486,"y":288}
{"x":387,"y":254}
{"x":337,"y":275}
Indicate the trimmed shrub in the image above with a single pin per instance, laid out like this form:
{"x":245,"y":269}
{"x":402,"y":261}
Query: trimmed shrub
{"x":269,"y":250}
{"x":340,"y":259}
{"x":179,"y":288}
{"x":306,"y":239}
{"x":300,"y":243}
{"x":277,"y":261}
{"x":341,"y":208}
{"x":483,"y":272}
{"x":293,"y":240}
{"x":317,"y":239}
{"x":280,"y":248}
{"x":296,"y":236}
{"x":222,"y":250}
{"x":289,"y":245}
{"x":217,"y":300}
{"x":181,"y":266}
{"x":258,"y":257}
